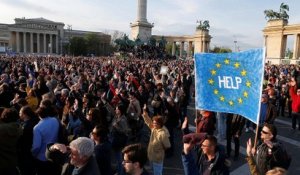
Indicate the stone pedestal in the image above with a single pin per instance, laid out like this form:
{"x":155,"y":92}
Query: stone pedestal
{"x":202,"y":41}
{"x":141,"y":28}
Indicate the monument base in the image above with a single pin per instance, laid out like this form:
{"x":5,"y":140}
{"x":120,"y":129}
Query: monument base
{"x":141,"y":30}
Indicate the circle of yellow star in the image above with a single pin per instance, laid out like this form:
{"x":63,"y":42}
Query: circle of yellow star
{"x":243,"y":72}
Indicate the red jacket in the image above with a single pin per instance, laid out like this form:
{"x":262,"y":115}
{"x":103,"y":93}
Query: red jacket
{"x":295,"y":99}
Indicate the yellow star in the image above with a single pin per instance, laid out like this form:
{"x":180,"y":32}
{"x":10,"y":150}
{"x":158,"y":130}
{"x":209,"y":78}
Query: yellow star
{"x":213,"y":72}
{"x":231,"y":103}
{"x":240,"y":100}
{"x":216,"y":91}
{"x":226,"y":61}
{"x":246,"y":94}
{"x":218,"y":65}
{"x":211,"y":81}
{"x":222,"y":98}
{"x":244,"y":73}
{"x":237,"y":65}
{"x":248,"y":84}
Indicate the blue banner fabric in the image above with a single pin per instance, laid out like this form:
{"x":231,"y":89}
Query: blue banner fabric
{"x":230,"y":82}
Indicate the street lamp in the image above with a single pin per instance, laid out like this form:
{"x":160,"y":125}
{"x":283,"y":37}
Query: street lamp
{"x":235,"y":43}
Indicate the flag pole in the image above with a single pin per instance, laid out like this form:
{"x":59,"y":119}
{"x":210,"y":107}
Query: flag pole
{"x":261,"y":88}
{"x":196,"y":112}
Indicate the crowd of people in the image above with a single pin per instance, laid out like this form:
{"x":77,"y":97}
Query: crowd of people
{"x":77,"y":115}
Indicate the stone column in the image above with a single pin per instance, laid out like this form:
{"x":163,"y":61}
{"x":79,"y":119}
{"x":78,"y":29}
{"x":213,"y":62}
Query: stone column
{"x":24,"y":42}
{"x":18,"y":41}
{"x":283,"y":46}
{"x":38,"y":43}
{"x":296,"y":47}
{"x":173,"y":48}
{"x":181,"y":49}
{"x":31,"y":42}
{"x":45,"y":47}
{"x":51,"y":44}
{"x":56,"y":44}
{"x":142,"y":11}
{"x":206,"y":46}
{"x":190,"y":45}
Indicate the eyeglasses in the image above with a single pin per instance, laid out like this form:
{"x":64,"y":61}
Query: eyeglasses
{"x":205,"y":146}
{"x":264,"y":132}
{"x":93,"y":133}
{"x":127,"y":161}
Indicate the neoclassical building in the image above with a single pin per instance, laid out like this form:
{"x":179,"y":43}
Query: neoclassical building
{"x":275,"y":35}
{"x":41,"y":36}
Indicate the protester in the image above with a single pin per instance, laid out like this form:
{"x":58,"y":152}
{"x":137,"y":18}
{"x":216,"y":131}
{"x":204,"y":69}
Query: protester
{"x":103,"y":149}
{"x":269,"y":154}
{"x":234,"y":127}
{"x":295,"y":104}
{"x":159,"y":141}
{"x":10,"y":131}
{"x":134,"y":160}
{"x":205,"y":122}
{"x":210,"y":157}
{"x":45,"y":132}
{"x":28,"y":119}
{"x":75,"y":159}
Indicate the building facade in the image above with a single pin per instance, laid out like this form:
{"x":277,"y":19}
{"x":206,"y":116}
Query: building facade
{"x":275,"y":35}
{"x":41,"y":36}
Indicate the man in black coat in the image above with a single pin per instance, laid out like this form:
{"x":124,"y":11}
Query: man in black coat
{"x":77,"y":159}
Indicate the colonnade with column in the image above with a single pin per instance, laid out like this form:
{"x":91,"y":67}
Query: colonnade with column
{"x":276,"y":35}
{"x":31,"y":42}
{"x":190,"y":47}
{"x":198,"y":43}
{"x":182,"y":48}
{"x":276,"y":45}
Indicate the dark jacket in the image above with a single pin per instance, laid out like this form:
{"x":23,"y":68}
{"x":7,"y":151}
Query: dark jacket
{"x":235,"y":124}
{"x":267,"y":158}
{"x":271,"y":113}
{"x":206,"y":124}
{"x":91,"y":168}
{"x":103,"y":157}
{"x":9,"y":135}
{"x":217,"y":166}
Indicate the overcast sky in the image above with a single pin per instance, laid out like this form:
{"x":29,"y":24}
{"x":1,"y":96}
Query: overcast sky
{"x":240,"y":20}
